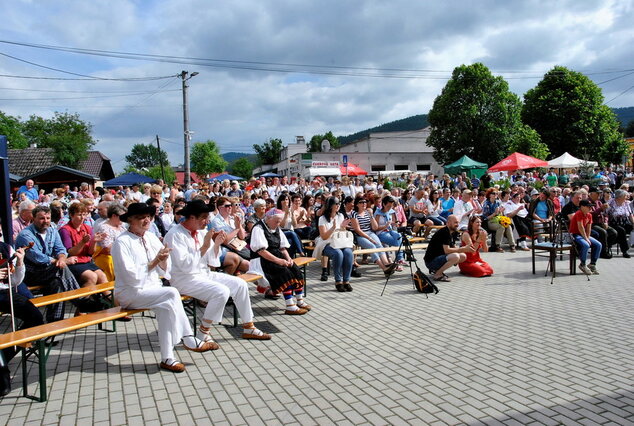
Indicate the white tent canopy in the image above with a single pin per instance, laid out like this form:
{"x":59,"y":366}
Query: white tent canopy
{"x":566,"y":161}
{"x":322,"y":171}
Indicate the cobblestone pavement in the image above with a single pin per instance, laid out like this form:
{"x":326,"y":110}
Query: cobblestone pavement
{"x":509,"y":349}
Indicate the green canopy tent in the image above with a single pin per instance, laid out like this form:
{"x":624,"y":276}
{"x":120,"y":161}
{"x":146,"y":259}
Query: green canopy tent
{"x":466,"y":164}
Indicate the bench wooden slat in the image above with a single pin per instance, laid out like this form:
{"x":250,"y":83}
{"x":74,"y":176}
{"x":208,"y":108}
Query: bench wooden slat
{"x":39,"y":332}
{"x":390,"y":249}
{"x":73,"y":294}
{"x":301,"y":261}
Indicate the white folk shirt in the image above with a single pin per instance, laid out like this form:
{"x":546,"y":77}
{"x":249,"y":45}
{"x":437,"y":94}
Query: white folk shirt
{"x":258,"y":239}
{"x":17,"y":276}
{"x":131,"y":258}
{"x":187,"y":262}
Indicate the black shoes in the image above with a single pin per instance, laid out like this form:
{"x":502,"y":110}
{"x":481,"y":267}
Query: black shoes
{"x":5,"y":381}
{"x":355,"y":273}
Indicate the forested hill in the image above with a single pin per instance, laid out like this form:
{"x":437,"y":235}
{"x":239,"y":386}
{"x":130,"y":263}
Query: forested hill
{"x":625,"y":115}
{"x":415,"y":122}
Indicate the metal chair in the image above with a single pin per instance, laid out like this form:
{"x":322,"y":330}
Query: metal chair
{"x":552,"y":238}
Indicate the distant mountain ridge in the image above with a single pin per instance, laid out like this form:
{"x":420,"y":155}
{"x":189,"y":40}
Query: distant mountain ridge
{"x":415,"y":122}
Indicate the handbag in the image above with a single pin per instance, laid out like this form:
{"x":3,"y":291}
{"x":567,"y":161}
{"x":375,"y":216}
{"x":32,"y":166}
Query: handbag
{"x":341,"y":239}
{"x":237,"y":244}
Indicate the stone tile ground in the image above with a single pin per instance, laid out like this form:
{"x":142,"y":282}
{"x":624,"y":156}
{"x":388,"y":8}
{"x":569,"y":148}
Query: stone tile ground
{"x":509,"y":349}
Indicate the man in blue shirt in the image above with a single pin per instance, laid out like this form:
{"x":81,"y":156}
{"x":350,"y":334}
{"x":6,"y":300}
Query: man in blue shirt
{"x":29,"y":190}
{"x":46,"y":262}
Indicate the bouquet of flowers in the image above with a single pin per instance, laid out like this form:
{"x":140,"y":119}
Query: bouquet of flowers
{"x":505,"y":221}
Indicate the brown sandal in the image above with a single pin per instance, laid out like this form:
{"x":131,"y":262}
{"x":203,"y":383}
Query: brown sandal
{"x":174,"y":366}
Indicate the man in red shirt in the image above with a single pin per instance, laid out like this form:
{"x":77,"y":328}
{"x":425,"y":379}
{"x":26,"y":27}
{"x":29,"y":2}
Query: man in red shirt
{"x":580,"y":227}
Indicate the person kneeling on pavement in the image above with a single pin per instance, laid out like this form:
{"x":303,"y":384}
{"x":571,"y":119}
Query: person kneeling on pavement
{"x":442,"y":252}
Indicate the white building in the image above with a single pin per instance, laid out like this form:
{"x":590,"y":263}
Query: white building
{"x":383,"y":153}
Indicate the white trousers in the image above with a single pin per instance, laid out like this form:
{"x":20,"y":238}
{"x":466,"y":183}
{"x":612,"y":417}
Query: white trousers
{"x":173,"y":323}
{"x":215,"y":289}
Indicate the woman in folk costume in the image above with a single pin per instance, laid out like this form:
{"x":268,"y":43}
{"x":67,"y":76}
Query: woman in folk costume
{"x":139,"y":262}
{"x":194,"y":250}
{"x":269,"y":244}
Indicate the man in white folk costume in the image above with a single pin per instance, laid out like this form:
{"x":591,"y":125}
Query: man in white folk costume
{"x":193,"y":251}
{"x":140,"y":259}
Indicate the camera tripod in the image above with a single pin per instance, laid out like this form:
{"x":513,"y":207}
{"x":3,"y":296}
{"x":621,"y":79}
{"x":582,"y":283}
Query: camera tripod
{"x":406,"y":246}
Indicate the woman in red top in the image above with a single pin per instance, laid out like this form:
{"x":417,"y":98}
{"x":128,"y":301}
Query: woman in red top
{"x":474,"y":266}
{"x":580,"y":228}
{"x":76,"y":237}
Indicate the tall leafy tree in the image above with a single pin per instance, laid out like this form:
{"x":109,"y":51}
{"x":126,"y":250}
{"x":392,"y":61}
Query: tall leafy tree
{"x":566,"y":108}
{"x":316,"y":140}
{"x":477,"y":115}
{"x":243,"y":168}
{"x":11,"y":127}
{"x":68,"y":135}
{"x":205,"y":158}
{"x":269,"y":152}
{"x":144,"y":156}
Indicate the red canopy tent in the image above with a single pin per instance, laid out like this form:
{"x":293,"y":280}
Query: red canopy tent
{"x":517,"y":161}
{"x":353,"y":170}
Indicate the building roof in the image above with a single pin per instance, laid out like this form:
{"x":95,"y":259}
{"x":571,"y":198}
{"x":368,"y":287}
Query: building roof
{"x":63,"y":169}
{"x":30,"y":161}
{"x":93,"y":165}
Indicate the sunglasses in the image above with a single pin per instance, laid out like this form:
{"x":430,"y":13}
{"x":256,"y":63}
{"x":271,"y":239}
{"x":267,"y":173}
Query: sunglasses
{"x":226,"y":206}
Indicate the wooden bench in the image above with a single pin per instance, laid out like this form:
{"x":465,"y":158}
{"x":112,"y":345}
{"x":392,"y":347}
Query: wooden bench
{"x":40,"y":350}
{"x":420,"y":246}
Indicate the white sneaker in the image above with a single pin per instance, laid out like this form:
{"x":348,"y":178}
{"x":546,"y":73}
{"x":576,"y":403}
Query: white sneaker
{"x":583,"y":268}
{"x":593,"y":268}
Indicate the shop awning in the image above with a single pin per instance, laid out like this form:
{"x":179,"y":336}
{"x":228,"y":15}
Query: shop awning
{"x":323,"y":171}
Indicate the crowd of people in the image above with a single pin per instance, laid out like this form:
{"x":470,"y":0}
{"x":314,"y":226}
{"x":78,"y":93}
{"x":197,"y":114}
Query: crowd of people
{"x":146,"y":236}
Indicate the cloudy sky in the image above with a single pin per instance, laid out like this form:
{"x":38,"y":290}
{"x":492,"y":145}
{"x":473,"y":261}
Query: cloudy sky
{"x":277,"y":69}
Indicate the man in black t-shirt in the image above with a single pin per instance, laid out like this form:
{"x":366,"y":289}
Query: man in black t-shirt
{"x":442,"y":252}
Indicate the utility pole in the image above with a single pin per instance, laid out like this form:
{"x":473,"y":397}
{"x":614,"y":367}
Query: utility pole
{"x":186,"y":133}
{"x":158,"y":146}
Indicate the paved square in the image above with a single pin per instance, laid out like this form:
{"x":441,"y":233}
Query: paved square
{"x":509,"y":349}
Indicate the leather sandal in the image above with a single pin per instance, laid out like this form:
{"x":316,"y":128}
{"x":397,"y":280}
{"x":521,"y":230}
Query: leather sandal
{"x":305,"y":306}
{"x":203,"y":346}
{"x":172,"y":365}
{"x":299,"y":311}
{"x":255,"y":334}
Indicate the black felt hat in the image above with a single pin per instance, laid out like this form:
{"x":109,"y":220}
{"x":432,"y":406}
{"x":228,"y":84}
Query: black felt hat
{"x":136,"y":209}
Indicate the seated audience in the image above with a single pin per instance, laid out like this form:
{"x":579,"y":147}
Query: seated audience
{"x":140,"y":259}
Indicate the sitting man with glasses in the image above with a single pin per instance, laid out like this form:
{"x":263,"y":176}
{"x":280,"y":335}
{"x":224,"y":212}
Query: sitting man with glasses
{"x":231,"y":225}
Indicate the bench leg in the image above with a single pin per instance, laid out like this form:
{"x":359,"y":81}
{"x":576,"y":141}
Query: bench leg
{"x":235,"y":315}
{"x":42,"y":355}
{"x":305,"y":282}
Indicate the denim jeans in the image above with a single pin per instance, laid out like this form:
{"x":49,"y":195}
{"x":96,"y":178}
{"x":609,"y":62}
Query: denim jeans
{"x":438,"y":220}
{"x":375,"y":242}
{"x":583,"y":246}
{"x":342,"y":260}
{"x":295,"y":242}
{"x":392,"y":238}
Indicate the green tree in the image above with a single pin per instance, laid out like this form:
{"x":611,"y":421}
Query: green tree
{"x":269,"y":152}
{"x":629,"y":129}
{"x":68,"y":135}
{"x":145,"y":156}
{"x":205,"y":158}
{"x":476,"y":115}
{"x":316,"y":140}
{"x":155,"y":173}
{"x":566,"y":109}
{"x":527,"y":141}
{"x":243,"y":168}
{"x":11,"y":127}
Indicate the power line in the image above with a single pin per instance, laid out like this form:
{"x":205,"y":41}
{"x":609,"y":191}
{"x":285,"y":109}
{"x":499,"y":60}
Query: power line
{"x":283,"y":67}
{"x":83,"y":97}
